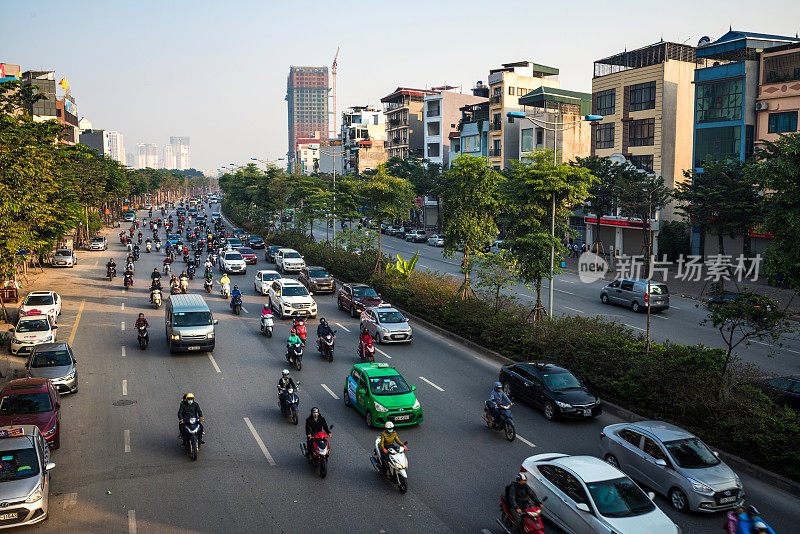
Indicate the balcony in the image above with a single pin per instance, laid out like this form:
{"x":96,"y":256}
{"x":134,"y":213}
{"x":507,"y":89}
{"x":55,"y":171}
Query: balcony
{"x":434,"y":112}
{"x":495,"y":126}
{"x":495,"y":99}
{"x":495,"y":153}
{"x":394,"y":121}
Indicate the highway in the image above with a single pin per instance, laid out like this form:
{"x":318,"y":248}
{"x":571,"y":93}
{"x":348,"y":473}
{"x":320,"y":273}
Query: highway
{"x":120,"y":467}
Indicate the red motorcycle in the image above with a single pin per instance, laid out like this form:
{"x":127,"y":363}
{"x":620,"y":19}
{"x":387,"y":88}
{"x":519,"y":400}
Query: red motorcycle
{"x":366,"y":351}
{"x":319,"y":453}
{"x":531,"y":522}
{"x":300,"y":328}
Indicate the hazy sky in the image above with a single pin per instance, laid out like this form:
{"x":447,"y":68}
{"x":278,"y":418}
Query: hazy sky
{"x":216,"y":70}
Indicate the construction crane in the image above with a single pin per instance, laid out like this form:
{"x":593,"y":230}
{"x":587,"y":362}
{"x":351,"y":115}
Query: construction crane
{"x":333,"y":73}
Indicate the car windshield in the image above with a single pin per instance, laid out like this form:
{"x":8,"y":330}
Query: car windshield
{"x":51,"y":358}
{"x":318,"y":273}
{"x":245,"y":250}
{"x":198,"y":318}
{"x":391,"y":317}
{"x":294,"y":291}
{"x":658,"y":289}
{"x":25,"y":403}
{"x":18,"y":463}
{"x":291,"y":254}
{"x":39,"y":300}
{"x":234,"y":243}
{"x":33,"y":325}
{"x":255,"y":239}
{"x":619,"y":498}
{"x":62,"y":253}
{"x":364,"y":292}
{"x":691,"y":453}
{"x":233,"y":256}
{"x":97,"y":239}
{"x":388,"y":385}
{"x":274,"y":249}
{"x":557,"y":381}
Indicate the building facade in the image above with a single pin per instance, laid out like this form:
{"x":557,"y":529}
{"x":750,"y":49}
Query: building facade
{"x":96,"y":139}
{"x":441,"y":115}
{"x":147,"y":156}
{"x":181,"y":151}
{"x":168,"y":157}
{"x":307,"y":102}
{"x":116,"y":143}
{"x":363,"y":135}
{"x":778,"y":92}
{"x":67,"y":115}
{"x":45,"y":81}
{"x":405,"y":137}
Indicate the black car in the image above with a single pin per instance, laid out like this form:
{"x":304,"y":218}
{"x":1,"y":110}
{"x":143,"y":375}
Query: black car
{"x":725,"y":298}
{"x":553,"y":389}
{"x":269,"y":252}
{"x":255,"y":241}
{"x":785,"y":390}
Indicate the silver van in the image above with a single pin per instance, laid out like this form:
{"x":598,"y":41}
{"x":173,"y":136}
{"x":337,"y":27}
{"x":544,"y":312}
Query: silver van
{"x":189,"y":323}
{"x":633,"y":294}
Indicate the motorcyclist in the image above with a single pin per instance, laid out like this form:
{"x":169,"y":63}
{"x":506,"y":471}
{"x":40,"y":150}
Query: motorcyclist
{"x":183,"y":277}
{"x":499,"y":403}
{"x":364,"y":339}
{"x":141,"y":322}
{"x":520,"y":497}
{"x":174,"y":285}
{"x":388,"y":437}
{"x":294,"y":339}
{"x":225,"y":281}
{"x":188,"y":409}
{"x":111,"y":263}
{"x":208,"y":274}
{"x":235,"y":293}
{"x":155,"y":274}
{"x":323,"y":329}
{"x":315,"y":424}
{"x":128,"y":271}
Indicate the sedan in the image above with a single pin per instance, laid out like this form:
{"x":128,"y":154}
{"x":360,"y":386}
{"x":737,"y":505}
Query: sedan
{"x":436,"y":240}
{"x":41,"y":303}
{"x":33,"y":401}
{"x":553,"y":389}
{"x":56,"y":362}
{"x":263,"y":280}
{"x":673,"y":462}
{"x":586,"y":495}
{"x":255,"y":242}
{"x":248,"y":255}
{"x":64,"y":258}
{"x":386,"y":324}
{"x":32,"y":330}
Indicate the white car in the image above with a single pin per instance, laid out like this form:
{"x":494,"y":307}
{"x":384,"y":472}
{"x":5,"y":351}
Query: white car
{"x":41,"y":303}
{"x":263,"y":280}
{"x":32,"y":330}
{"x":290,"y":298}
{"x":587,"y":495}
{"x":288,"y":259}
{"x":232,"y":262}
{"x":64,"y":258}
{"x":98,"y":242}
{"x":436,"y":240}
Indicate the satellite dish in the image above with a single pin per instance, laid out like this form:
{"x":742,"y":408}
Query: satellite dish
{"x":618,"y":158}
{"x":704,"y":40}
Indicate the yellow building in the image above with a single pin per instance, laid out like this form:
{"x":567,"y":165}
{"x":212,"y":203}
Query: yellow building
{"x":778,"y":92}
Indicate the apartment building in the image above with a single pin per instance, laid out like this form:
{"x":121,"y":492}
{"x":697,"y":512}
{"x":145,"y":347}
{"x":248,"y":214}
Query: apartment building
{"x":404,"y":122}
{"x":116,"y":142}
{"x":506,"y":85}
{"x":441,"y":115}
{"x":363,"y":135}
{"x":307,"y":98}
{"x":97,"y":140}
{"x":472,"y":134}
{"x":778,"y":92}
{"x":147,"y":156}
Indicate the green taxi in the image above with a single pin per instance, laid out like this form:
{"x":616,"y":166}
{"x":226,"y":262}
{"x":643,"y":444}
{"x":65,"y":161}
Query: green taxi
{"x":380,"y":393}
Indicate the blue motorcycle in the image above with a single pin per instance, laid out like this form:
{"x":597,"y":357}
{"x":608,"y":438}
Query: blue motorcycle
{"x":498,"y":418}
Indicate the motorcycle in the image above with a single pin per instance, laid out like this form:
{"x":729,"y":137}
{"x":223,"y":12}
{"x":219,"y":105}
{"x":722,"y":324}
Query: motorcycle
{"x":267,"y":324}
{"x":128,"y":282}
{"x":191,"y":429}
{"x":294,"y":355}
{"x":366,"y":352}
{"x":290,"y":405}
{"x":207,"y":285}
{"x":319,"y":453}
{"x":214,"y":258}
{"x":325,"y":345}
{"x":148,"y":247}
{"x":143,"y":337}
{"x":531,"y":522}
{"x":184,"y":285}
{"x":158,"y":246}
{"x":505,"y":423}
{"x":225,"y":290}
{"x":236,"y":305}
{"x":300,"y":327}
{"x":190,"y":272}
{"x":395,"y":467}
{"x":111,"y":272}
{"x":140,"y":239}
{"x":155,"y":298}
{"x":135,"y":254}
{"x":167,"y":269}
{"x":174,"y":289}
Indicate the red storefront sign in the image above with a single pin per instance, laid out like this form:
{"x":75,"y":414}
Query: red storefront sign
{"x":623,"y":223}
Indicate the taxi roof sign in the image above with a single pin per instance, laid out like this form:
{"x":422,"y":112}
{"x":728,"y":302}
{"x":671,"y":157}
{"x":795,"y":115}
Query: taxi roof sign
{"x":12,"y":432}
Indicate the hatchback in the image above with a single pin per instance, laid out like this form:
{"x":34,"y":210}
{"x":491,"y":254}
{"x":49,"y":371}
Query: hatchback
{"x":98,"y":242}
{"x":32,"y":401}
{"x":386,"y":324}
{"x":633,"y":294}
{"x":24,"y":475}
{"x":64,"y":258}
{"x":56,"y":362}
{"x":673,"y":462}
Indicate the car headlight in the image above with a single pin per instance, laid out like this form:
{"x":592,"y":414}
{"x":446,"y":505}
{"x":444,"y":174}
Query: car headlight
{"x":35,"y":495}
{"x":380,"y":407}
{"x":49,"y":432}
{"x":564,"y":405}
{"x":176,"y":337}
{"x":69,"y":376}
{"x":699,"y":487}
{"x":210,"y":335}
{"x":738,"y":481}
{"x":416,"y":405}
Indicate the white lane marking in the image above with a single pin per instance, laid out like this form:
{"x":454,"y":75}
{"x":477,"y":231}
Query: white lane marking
{"x":122,"y":326}
{"x":213,"y":362}
{"x":566,"y":281}
{"x":525,"y":441}
{"x":131,"y":521}
{"x":127,"y":440}
{"x":674,"y":307}
{"x":660,"y":317}
{"x":244,"y":309}
{"x":326,"y":388}
{"x":122,"y":306}
{"x":379,"y":350}
{"x":562,"y":291}
{"x":631,"y":326}
{"x":486,"y":531}
{"x":70,"y":499}
{"x":261,"y":445}
{"x":780,"y":348}
{"x":340,"y":325}
{"x":573,"y":309}
{"x":124,"y":388}
{"x":430,"y":383}
{"x":123,"y":352}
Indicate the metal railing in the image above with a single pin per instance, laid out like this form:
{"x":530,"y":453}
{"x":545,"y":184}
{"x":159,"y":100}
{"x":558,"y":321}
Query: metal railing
{"x":495,"y":152}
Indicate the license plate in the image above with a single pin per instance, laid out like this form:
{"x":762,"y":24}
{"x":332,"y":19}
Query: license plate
{"x":401,"y":417}
{"x":587,"y":413}
{"x":193,"y":348}
{"x":12,"y":515}
{"x":726,"y":500}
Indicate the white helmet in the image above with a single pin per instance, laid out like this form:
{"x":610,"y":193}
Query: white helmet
{"x":285,"y":372}
{"x":389,"y":425}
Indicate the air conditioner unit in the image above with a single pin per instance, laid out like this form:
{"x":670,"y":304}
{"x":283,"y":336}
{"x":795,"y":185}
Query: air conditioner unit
{"x":762,"y":106}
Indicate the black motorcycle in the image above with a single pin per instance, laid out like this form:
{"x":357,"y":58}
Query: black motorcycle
{"x":294,"y":355}
{"x":504,"y":421}
{"x":236,"y":304}
{"x":207,"y":285}
{"x":190,"y":272}
{"x":289,"y":403}
{"x":128,"y":282}
{"x":326,"y":346}
{"x":111,"y":272}
{"x":144,"y":337}
{"x":191,"y":430}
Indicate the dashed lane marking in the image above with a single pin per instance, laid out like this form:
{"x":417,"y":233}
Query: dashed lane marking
{"x":127,"y":435}
{"x":70,"y":499}
{"x":634,"y":327}
{"x":124,"y":388}
{"x":122,"y":326}
{"x":573,"y":309}
{"x":343,"y":327}
{"x":525,"y":441}
{"x":131,"y":521}
{"x":122,"y":306}
{"x":430,"y":383}
{"x":326,"y":388}
{"x":260,"y":443}
{"x":123,"y":351}
{"x":77,"y":320}
{"x":213,"y":362}
{"x":379,"y":350}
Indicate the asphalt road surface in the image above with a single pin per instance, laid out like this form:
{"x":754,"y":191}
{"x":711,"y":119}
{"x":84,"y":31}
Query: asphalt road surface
{"x":120,"y":467}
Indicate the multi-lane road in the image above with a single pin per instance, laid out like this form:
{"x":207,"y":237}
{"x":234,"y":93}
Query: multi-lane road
{"x":120,"y":467}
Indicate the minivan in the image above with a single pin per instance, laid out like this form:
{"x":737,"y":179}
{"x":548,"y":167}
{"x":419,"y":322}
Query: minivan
{"x":189,"y":323}
{"x":633,"y":294}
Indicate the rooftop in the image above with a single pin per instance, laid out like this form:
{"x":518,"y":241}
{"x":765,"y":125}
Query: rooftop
{"x":644,"y":57}
{"x":736,"y":45}
{"x":407,"y":91}
{"x":540,"y":96}
{"x":538,"y":69}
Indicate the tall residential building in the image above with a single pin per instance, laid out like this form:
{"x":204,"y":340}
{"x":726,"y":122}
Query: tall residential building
{"x":778,"y":92}
{"x":441,"y":114}
{"x":96,"y":139}
{"x":307,"y":103}
{"x":506,"y":85}
{"x":67,"y":114}
{"x":180,"y":150}
{"x":168,"y":159}
{"x":117,"y":146}
{"x":130,"y":161}
{"x":363,"y":134}
{"x":404,"y":132}
{"x":147,"y":156}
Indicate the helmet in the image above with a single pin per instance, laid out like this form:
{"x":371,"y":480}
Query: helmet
{"x":522,"y":477}
{"x":188,"y":396}
{"x":141,"y":315}
{"x":758,"y":525}
{"x":314,"y":410}
{"x":498,"y":385}
{"x":322,"y":321}
{"x":285,"y":372}
{"x":752,"y":510}
{"x":235,"y":287}
{"x":155,"y":269}
{"x":389,"y":425}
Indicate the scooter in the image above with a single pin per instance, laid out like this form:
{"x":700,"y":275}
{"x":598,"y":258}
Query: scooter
{"x":225,"y":290}
{"x":291,"y":404}
{"x":158,"y":246}
{"x":128,"y":282}
{"x":111,"y":272}
{"x":192,"y":442}
{"x":184,"y":285}
{"x":395,"y":467}
{"x":190,"y":271}
{"x":366,"y":352}
{"x":174,"y":289}
{"x":267,"y":324}
{"x":505,"y":422}
{"x":531,"y":522}
{"x":236,"y":305}
{"x":207,"y":285}
{"x":135,"y":254}
{"x":300,"y":327}
{"x":148,"y":246}
{"x":155,"y":297}
{"x":325,"y":344}
{"x":294,"y":355}
{"x":319,"y":453}
{"x":143,"y":337}
{"x":167,"y":269}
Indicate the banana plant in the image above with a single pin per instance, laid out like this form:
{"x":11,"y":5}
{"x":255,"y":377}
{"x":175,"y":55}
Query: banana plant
{"x":403,"y":267}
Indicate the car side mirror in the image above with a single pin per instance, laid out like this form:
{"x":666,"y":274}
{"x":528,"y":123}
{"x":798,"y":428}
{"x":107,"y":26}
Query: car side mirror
{"x":413,"y":388}
{"x":583,"y":507}
{"x":215,"y":321}
{"x":661,"y":462}
{"x":651,"y":495}
{"x":49,"y":466}
{"x":716,"y":454}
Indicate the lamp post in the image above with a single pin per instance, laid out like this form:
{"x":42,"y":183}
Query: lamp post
{"x":268,"y":161}
{"x":333,"y":207}
{"x":557,"y":127}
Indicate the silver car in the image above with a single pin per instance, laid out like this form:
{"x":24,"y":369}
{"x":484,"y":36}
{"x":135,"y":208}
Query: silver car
{"x":632,"y":293}
{"x":98,"y":242}
{"x":55,"y":361}
{"x":673,"y":462}
{"x":65,"y":258}
{"x":24,"y":475}
{"x":386,"y":324}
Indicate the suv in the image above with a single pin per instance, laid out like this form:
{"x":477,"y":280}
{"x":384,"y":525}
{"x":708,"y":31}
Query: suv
{"x":355,"y":298}
{"x":33,"y":401}
{"x":288,"y":259}
{"x":633,"y":294}
{"x":317,"y":279}
{"x":232,"y":262}
{"x":27,"y":487}
{"x":290,"y":298}
{"x":98,"y":242}
{"x":417,"y":236}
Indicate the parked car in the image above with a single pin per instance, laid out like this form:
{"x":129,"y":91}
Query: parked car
{"x":32,"y":330}
{"x":392,"y":230}
{"x":32,"y":401}
{"x":290,"y":298}
{"x":552,"y":388}
{"x":317,"y":279}
{"x":288,"y":259}
{"x":355,"y":298}
{"x":248,"y":255}
{"x":386,"y":324}
{"x":785,"y":389}
{"x":436,"y":240}
{"x":585,"y":494}
{"x":633,"y":294}
{"x":56,"y":362}
{"x":673,"y":462}
{"x":255,"y":242}
{"x":263,"y":280}
{"x":416,"y":236}
{"x":98,"y":242}
{"x":27,"y":486}
{"x":269,"y":252}
{"x":402,"y":231}
{"x":65,"y":258}
{"x":41,"y":303}
{"x":725,"y":298}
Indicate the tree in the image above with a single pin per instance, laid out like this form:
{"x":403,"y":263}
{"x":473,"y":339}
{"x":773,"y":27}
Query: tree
{"x":470,"y":198}
{"x":603,"y":193}
{"x":426,"y":177}
{"x":496,"y":272}
{"x":641,"y":196}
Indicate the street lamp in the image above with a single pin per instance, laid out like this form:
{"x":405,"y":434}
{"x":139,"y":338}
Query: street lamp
{"x":267,"y":161}
{"x":557,"y":127}
{"x":333,"y":206}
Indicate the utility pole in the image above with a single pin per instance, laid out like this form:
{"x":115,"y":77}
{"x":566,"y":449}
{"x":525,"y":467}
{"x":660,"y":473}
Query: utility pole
{"x":333,"y":75}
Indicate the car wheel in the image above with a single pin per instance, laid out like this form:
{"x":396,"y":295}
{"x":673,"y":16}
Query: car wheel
{"x":550,"y":412}
{"x":612,"y":460}
{"x":353,"y":311}
{"x":635,"y":307}
{"x":678,"y":500}
{"x":368,"y":418}
{"x":346,"y":397}
{"x":604,"y":298}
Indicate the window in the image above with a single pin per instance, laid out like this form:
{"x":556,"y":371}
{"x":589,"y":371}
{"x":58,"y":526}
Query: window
{"x":565,"y":481}
{"x":642,"y":96}
{"x":782,"y":122}
{"x":717,"y":143}
{"x":496,"y":122}
{"x":511,"y":91}
{"x":604,"y":102}
{"x":527,"y":140}
{"x":642,"y":133}
{"x":626,"y":285}
{"x":644,"y":162}
{"x":471,"y":143}
{"x":782,"y":68}
{"x":652,"y":449}
{"x":434,"y":128}
{"x":604,"y":135}
{"x":521,"y":91}
{"x":539,"y":137}
{"x":629,"y":435}
{"x":719,"y":101}
{"x":433,"y":150}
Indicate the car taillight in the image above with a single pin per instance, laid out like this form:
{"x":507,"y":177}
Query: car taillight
{"x":647,"y":297}
{"x":522,"y":469}
{"x":602,"y":435}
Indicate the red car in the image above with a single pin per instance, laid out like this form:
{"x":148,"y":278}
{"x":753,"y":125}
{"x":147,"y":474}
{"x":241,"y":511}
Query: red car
{"x":355,"y":298}
{"x":248,"y":255}
{"x":32,"y":401}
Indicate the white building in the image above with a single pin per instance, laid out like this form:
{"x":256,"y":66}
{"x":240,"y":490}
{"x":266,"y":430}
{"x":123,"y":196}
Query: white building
{"x":180,"y":149}
{"x":168,"y":161}
{"x":116,"y":146}
{"x":363,"y":137}
{"x":441,"y":113}
{"x":147,"y":156}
